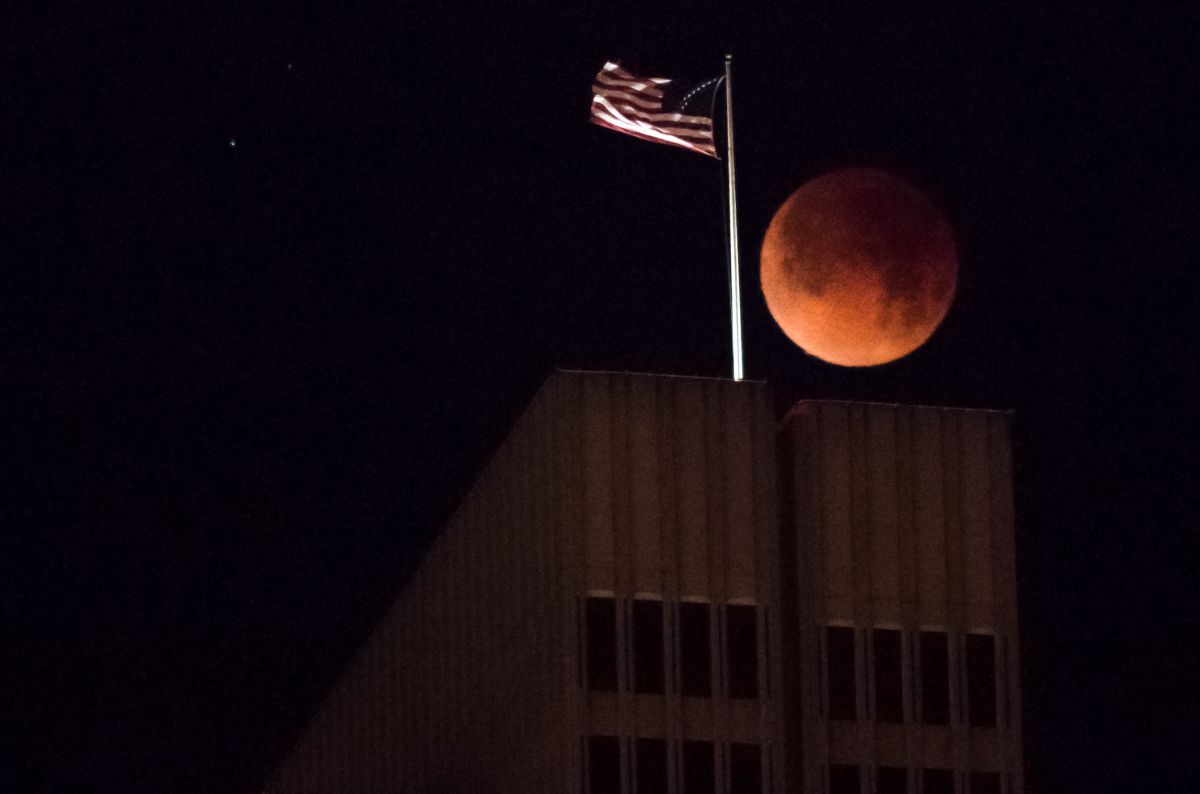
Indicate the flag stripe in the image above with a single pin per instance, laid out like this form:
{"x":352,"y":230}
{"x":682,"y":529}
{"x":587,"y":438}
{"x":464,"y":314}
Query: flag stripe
{"x":641,"y":86}
{"x":600,"y":108}
{"x":633,"y":110}
{"x":693,"y":135}
{"x":651,"y":134}
{"x":617,"y":69}
{"x":680,"y":129}
{"x":633,"y":99}
{"x":638,"y":106}
{"x":656,"y":137}
{"x":686,"y":139}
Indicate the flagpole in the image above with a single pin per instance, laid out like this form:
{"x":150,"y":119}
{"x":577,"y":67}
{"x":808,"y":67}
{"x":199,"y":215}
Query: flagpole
{"x":735,"y":288}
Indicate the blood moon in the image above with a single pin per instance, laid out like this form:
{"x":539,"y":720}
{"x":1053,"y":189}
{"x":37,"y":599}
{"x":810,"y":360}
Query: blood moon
{"x":858,"y":267}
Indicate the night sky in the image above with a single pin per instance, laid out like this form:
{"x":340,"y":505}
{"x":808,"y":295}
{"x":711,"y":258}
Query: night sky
{"x":283,"y":278}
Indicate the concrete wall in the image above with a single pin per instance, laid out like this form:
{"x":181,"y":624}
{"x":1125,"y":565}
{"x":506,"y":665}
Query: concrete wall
{"x":635,"y":486}
{"x":899,"y":517}
{"x":674,"y":494}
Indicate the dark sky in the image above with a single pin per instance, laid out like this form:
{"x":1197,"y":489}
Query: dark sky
{"x":251,"y":380}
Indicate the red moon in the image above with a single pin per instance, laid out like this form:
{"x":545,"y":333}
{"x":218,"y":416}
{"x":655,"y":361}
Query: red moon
{"x":858,"y":267}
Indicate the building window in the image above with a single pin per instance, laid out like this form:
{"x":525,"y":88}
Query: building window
{"x":937,"y":781}
{"x":604,"y":765}
{"x":648,"y":646}
{"x":695,"y":649}
{"x":889,"y":683}
{"x":840,"y":672}
{"x":981,"y":680}
{"x":745,"y":769}
{"x":891,"y":780}
{"x":935,"y":678}
{"x":651,"y":766}
{"x":985,"y":782}
{"x":601,"y":631}
{"x":741,"y":632}
{"x":843,"y":779}
{"x":698,"y":776}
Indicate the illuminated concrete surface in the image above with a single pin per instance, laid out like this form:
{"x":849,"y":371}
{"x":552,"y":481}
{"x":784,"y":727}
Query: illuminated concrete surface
{"x":636,"y":490}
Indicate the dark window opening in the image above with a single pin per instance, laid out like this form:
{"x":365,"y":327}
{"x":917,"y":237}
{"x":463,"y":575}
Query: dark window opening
{"x":937,"y":781}
{"x":648,"y":647}
{"x":604,"y":765}
{"x":985,"y":783}
{"x":601,"y":618}
{"x":695,"y":650}
{"x":891,"y":780}
{"x":839,"y":655}
{"x":843,"y":779}
{"x":935,"y":678}
{"x":745,"y":769}
{"x":741,"y":632}
{"x":981,"y":679}
{"x":651,"y":766}
{"x":698,"y":776}
{"x":889,"y":683}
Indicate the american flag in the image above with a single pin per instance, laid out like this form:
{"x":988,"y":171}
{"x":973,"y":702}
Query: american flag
{"x":653,"y":108}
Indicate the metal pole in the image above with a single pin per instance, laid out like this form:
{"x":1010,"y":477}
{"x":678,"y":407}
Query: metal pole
{"x":735,"y":287}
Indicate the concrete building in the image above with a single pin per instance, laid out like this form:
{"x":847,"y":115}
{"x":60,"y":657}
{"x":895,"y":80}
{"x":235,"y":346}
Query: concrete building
{"x":658,"y":586}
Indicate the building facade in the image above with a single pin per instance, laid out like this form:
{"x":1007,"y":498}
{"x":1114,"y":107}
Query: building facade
{"x":900,"y":589}
{"x":658,"y":586}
